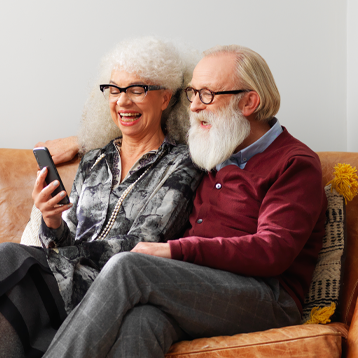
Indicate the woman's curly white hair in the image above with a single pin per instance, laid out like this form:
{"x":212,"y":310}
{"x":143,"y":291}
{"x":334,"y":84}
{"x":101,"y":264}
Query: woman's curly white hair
{"x":155,"y":60}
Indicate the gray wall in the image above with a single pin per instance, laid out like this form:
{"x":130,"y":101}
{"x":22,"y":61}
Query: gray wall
{"x":50,"y":52}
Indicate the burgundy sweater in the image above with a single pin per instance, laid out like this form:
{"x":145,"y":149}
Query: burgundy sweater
{"x":265,"y":220}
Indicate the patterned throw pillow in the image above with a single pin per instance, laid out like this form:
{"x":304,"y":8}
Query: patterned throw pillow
{"x":325,"y":283}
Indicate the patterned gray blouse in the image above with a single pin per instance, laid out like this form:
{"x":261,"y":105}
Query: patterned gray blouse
{"x":155,"y":210}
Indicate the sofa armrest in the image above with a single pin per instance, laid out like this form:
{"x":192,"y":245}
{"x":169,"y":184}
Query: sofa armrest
{"x":18,"y":170}
{"x":352,"y":341}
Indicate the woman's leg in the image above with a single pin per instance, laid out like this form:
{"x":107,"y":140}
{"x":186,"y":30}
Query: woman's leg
{"x":10,"y":344}
{"x":31,"y":306}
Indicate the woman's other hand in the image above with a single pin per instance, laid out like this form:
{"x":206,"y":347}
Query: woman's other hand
{"x":62,"y":150}
{"x":48,"y":205}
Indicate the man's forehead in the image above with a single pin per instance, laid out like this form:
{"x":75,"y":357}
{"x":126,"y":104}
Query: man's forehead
{"x":215,"y":72}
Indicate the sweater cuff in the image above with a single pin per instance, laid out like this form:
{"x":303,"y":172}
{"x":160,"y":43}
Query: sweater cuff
{"x":175,"y":249}
{"x":49,"y":236}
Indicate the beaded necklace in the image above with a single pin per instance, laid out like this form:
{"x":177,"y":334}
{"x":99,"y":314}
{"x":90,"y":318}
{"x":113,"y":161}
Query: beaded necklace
{"x":113,"y":217}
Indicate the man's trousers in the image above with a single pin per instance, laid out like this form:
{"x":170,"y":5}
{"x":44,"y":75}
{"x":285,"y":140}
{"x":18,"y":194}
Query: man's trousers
{"x":140,"y":304}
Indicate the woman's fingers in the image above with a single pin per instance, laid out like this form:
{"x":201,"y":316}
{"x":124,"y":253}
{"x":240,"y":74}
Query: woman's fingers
{"x":39,"y":184}
{"x":42,"y":194}
{"x":49,"y":189}
{"x":49,"y":206}
{"x":50,"y":202}
{"x":54,"y":202}
{"x":41,"y":176}
{"x":55,"y":210}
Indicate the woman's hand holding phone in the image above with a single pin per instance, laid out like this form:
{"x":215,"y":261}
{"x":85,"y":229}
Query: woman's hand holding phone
{"x":49,"y":206}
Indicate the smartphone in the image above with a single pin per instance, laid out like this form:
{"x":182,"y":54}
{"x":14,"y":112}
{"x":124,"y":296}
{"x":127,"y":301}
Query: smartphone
{"x":44,"y":159}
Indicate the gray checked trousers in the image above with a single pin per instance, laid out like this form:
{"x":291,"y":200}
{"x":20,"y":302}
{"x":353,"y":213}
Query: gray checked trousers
{"x":140,"y":304}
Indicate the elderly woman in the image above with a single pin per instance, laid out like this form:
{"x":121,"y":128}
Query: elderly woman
{"x":138,"y":187}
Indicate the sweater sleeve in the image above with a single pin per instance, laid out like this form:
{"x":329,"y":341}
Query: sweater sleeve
{"x":287,"y":217}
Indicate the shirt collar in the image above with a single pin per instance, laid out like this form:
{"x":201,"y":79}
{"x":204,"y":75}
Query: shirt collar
{"x":146,"y":158}
{"x":243,"y":156}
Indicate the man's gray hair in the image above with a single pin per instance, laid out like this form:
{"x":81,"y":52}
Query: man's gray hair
{"x":253,"y":74}
{"x":158,"y":61}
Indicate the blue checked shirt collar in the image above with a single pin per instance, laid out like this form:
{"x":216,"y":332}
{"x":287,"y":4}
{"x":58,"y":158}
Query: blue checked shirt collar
{"x":243,"y":156}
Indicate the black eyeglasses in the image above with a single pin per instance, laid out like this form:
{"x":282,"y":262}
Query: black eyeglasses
{"x":136,"y":93}
{"x":206,"y":96}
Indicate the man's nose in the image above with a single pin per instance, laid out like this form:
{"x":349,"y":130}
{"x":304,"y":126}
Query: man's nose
{"x":196,"y":105}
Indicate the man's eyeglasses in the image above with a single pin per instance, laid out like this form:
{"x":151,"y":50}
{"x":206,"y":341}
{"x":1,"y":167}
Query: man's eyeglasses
{"x":136,"y":93}
{"x":206,"y":96}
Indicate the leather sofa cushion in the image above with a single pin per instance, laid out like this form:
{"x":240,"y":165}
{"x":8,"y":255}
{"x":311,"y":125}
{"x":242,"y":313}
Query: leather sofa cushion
{"x":302,"y":341}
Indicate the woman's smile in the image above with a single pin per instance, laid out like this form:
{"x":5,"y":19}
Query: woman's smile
{"x":129,"y":118}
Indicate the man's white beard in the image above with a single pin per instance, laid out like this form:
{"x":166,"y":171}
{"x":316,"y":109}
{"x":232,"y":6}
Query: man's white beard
{"x":210,"y":147}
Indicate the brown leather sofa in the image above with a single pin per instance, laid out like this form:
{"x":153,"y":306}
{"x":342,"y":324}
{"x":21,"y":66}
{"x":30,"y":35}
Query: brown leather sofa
{"x":340,"y":339}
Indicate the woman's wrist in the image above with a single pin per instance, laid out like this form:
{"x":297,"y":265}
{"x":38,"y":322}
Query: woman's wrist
{"x":54,"y":224}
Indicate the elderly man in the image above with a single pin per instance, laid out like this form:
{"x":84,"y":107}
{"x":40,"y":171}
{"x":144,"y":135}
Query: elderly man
{"x":246,"y":260}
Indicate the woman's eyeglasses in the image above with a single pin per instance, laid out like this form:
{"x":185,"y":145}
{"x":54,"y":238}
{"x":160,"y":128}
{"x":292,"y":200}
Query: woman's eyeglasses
{"x":136,"y":93}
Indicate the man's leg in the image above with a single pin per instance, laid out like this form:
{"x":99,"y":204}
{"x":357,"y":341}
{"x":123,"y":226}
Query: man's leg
{"x":146,"y":331}
{"x":204,"y":302}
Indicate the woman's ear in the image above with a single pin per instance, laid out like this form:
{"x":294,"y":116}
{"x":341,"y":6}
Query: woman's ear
{"x":167,"y":95}
{"x":249,"y":103}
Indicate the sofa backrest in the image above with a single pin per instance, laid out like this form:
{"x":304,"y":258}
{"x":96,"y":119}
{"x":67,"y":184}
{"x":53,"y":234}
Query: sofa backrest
{"x":18,"y":170}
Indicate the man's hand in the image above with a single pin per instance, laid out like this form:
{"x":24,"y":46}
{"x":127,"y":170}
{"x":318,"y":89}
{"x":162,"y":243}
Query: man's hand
{"x":62,"y":150}
{"x":154,"y":249}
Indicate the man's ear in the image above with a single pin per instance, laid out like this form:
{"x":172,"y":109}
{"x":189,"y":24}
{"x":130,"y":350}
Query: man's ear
{"x":249,"y":103}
